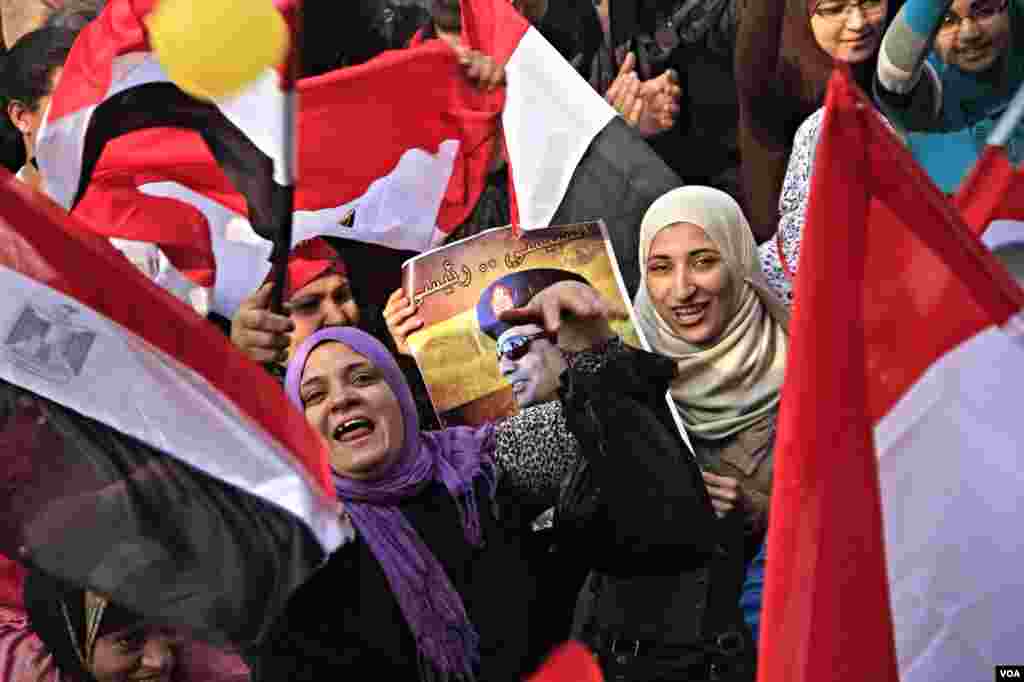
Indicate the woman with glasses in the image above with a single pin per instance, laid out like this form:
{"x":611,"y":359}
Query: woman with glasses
{"x":946,"y":73}
{"x":848,"y":31}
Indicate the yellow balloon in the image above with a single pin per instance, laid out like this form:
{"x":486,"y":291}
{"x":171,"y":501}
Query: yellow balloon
{"x":212,"y":49}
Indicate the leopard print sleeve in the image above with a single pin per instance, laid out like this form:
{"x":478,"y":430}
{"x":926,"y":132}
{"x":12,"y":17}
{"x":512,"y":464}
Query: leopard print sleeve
{"x":534,"y":452}
{"x":535,"y":449}
{"x":593,"y":360}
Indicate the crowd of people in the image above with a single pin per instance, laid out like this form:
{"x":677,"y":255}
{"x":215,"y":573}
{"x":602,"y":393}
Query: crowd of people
{"x":587,"y":514}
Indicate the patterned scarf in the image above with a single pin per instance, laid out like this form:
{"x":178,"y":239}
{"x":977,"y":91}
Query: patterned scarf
{"x":733,"y":382}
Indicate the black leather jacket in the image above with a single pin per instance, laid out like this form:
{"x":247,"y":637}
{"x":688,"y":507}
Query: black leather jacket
{"x":669,"y":608}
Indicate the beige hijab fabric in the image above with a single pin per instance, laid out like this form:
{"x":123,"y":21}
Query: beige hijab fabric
{"x":728,"y":385}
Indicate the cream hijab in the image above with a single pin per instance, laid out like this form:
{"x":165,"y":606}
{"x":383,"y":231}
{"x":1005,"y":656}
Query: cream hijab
{"x":729,"y":385}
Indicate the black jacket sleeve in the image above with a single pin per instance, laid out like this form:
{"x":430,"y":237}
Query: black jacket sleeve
{"x":636,"y":503}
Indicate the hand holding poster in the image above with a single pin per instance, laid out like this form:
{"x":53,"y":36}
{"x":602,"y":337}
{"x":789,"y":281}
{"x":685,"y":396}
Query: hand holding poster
{"x":462,"y":289}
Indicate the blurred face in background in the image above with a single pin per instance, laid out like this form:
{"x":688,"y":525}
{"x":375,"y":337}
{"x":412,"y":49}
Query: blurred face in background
{"x":325,"y":302}
{"x":27,"y":117}
{"x":849,"y":30}
{"x":974,"y":34}
{"x":135,"y":654}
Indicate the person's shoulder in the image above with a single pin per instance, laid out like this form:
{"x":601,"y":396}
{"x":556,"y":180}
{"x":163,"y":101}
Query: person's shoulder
{"x":812,"y":123}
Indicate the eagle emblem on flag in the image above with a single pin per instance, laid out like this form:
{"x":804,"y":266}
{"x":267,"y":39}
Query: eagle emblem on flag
{"x":48,"y":342}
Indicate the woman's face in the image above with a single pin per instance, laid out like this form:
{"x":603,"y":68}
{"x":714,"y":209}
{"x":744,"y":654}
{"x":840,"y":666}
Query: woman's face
{"x":849,"y":30}
{"x":28,"y":120}
{"x":135,"y":654}
{"x":348,"y":401}
{"x":325,"y":302}
{"x":689,"y":283}
{"x":974,"y":34}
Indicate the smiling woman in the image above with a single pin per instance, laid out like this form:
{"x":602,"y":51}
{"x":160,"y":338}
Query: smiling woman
{"x":849,"y":31}
{"x":440,"y":583}
{"x":947,"y":93}
{"x":703,"y":302}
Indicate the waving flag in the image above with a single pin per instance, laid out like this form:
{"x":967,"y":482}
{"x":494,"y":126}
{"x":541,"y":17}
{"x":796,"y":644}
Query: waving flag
{"x":393,"y":152}
{"x":894,"y":531}
{"x":140,"y":454}
{"x":571,"y":159}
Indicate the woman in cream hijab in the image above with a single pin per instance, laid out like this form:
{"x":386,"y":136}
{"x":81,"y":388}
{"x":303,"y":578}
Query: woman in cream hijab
{"x":702,"y":301}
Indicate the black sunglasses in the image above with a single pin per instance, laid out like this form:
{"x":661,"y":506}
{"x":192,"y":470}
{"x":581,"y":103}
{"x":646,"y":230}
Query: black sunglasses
{"x":515,"y":347}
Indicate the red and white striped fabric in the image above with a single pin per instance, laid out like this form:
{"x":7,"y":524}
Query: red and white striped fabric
{"x":550,"y":115}
{"x":894,"y":531}
{"x":392,"y":152}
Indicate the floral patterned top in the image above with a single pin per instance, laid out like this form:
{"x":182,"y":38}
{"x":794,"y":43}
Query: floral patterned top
{"x":792,"y":207}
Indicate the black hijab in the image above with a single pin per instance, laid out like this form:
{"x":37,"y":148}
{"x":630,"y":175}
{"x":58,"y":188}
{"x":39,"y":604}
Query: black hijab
{"x":58,"y":614}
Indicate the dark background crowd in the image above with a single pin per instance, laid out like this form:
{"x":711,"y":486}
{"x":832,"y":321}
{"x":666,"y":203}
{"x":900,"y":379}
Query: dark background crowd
{"x":658,"y":568}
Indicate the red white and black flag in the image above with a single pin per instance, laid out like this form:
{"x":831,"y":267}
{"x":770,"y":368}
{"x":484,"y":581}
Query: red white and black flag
{"x":392,"y":152}
{"x":140,"y":454}
{"x":894,"y":531}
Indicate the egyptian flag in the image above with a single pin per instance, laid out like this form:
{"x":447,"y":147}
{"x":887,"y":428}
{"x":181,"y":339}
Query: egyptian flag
{"x":393,"y":152}
{"x":141,"y":455}
{"x":571,"y":158}
{"x":895,"y":535}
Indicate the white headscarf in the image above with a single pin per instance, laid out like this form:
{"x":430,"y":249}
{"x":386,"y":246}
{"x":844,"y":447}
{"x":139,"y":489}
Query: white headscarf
{"x":734,"y":382}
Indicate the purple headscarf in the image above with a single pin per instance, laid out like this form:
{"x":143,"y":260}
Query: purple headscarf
{"x":454,"y":457}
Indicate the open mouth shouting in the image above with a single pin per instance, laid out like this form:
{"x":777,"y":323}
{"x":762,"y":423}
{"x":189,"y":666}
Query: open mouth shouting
{"x":353,"y":430}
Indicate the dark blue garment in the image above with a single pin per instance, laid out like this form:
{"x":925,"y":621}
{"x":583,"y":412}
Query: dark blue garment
{"x":753,"y":588}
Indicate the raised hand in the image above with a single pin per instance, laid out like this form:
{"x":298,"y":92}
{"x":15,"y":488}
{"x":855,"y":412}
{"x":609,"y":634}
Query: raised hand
{"x":399,"y":315}
{"x":259,"y":333}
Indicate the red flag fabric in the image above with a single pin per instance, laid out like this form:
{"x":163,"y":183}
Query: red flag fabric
{"x":393,"y":152}
{"x":570,"y":662}
{"x":994,"y":190}
{"x":890,"y":282}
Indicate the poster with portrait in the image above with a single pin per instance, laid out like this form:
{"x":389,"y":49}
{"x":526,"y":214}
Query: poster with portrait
{"x":462,"y":288}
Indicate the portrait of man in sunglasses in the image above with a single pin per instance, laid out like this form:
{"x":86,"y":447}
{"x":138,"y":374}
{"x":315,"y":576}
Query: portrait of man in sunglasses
{"x":528,"y":357}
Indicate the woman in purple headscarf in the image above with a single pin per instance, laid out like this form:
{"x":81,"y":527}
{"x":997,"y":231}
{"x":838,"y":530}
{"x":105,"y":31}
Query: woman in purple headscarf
{"x":436,"y":585}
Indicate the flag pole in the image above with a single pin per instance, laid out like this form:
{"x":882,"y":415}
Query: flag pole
{"x":1000,"y":135}
{"x":289,"y":155}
